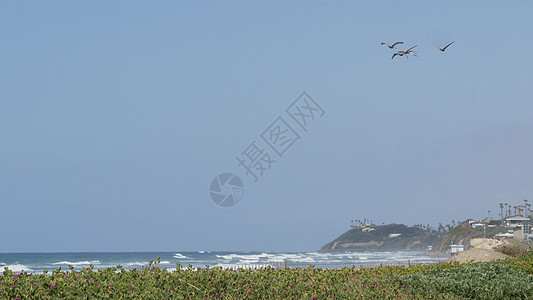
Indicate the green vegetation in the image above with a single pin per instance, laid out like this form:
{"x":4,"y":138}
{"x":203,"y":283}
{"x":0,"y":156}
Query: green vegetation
{"x":516,"y":249}
{"x":508,"y":279}
{"x":374,"y":237}
{"x":458,"y":235}
{"x":462,"y":233}
{"x":495,"y":280}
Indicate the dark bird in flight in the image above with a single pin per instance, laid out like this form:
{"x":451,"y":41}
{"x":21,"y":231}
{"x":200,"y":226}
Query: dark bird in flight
{"x":442,"y":49}
{"x":397,"y":53}
{"x":405,"y":52}
{"x":392,"y":46}
{"x":410,"y":50}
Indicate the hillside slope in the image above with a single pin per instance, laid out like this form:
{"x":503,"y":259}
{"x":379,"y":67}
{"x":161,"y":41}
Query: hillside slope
{"x":462,"y":234}
{"x":394,"y":237}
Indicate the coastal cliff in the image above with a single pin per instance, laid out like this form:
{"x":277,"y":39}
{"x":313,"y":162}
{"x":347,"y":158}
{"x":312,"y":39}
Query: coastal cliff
{"x":391,"y":237}
{"x":463,"y":233}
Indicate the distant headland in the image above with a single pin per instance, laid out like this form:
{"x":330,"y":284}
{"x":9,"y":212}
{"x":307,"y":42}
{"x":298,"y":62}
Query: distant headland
{"x":515,"y":228}
{"x":390,"y":237}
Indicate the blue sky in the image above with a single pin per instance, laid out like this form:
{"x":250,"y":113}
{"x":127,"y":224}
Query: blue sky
{"x":116,"y":116}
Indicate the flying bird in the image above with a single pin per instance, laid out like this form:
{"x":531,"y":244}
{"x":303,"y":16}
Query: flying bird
{"x":410,"y":51}
{"x":397,"y":53}
{"x":392,"y":46}
{"x":442,"y":49}
{"x":405,"y":52}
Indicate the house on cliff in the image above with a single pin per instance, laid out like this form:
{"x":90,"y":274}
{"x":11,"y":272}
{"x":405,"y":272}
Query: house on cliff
{"x":521,"y":227}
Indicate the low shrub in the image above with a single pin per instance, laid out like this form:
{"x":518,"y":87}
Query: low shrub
{"x":513,"y":250}
{"x":509,"y":279}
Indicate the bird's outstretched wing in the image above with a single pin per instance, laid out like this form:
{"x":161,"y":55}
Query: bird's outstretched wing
{"x":442,"y":49}
{"x":394,"y":55}
{"x":410,"y":48}
{"x":384,"y":43}
{"x":396,"y":44}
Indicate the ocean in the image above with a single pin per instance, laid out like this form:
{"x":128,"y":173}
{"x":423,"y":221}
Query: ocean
{"x":38,"y":262}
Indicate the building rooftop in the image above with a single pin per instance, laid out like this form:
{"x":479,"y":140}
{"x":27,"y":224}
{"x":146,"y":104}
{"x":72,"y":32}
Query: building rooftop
{"x":518,"y":219}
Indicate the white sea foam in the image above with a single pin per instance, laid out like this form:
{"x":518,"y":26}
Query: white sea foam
{"x":77,"y":263}
{"x":246,"y":257}
{"x":303,"y":260}
{"x":278,"y":258}
{"x":201,"y":252}
{"x":226,"y":260}
{"x":18,"y":268}
{"x":298,"y":258}
{"x":135,"y":263}
{"x":142,"y":264}
{"x":346,"y":258}
{"x":248,"y":266}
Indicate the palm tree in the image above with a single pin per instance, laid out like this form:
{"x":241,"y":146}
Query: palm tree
{"x":506,"y":215}
{"x":501,"y":211}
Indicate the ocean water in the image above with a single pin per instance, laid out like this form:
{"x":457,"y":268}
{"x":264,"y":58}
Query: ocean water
{"x":38,"y":262}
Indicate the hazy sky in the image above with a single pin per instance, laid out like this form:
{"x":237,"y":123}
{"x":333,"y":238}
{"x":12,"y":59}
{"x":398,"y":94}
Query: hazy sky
{"x":115,"y":116}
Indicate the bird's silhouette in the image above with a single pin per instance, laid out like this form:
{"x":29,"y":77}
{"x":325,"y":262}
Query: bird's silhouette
{"x":442,"y":49}
{"x":392,"y":46}
{"x":405,"y":52}
{"x":399,"y":53}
